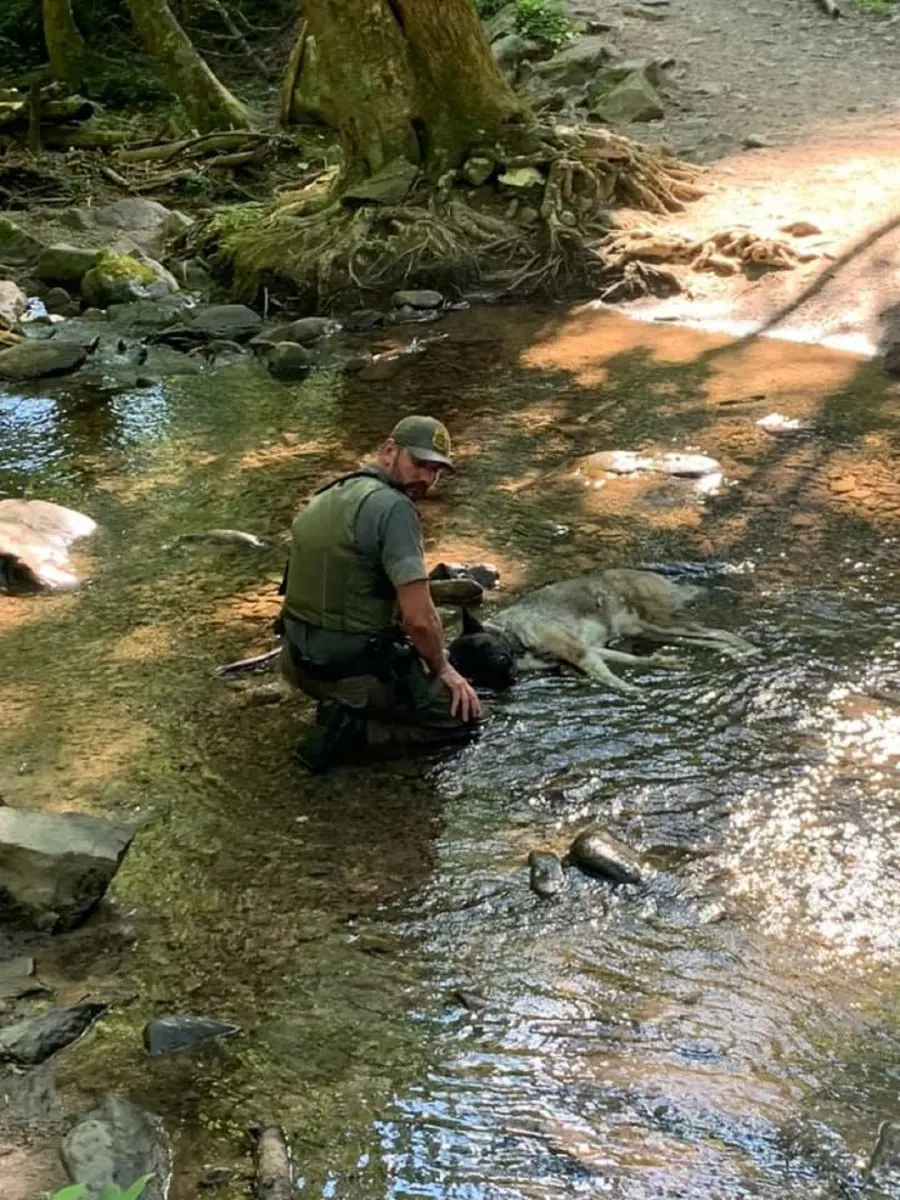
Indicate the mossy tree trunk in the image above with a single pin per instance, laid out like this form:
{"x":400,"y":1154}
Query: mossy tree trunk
{"x":411,"y":79}
{"x":207,"y":102}
{"x":65,"y":47}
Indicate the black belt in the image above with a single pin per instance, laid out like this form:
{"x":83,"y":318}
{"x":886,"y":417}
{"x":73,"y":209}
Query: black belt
{"x":386,"y":655}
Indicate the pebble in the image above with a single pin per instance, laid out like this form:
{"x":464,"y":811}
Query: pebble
{"x":547,"y":874}
{"x":596,"y":852}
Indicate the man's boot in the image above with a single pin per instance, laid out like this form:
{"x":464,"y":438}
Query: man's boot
{"x":335,"y":736}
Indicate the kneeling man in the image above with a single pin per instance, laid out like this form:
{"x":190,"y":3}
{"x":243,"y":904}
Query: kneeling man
{"x":361,"y":633}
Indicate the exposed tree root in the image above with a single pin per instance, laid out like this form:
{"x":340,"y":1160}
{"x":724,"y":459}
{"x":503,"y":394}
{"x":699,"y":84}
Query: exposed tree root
{"x":533,"y":227}
{"x":726,"y":252}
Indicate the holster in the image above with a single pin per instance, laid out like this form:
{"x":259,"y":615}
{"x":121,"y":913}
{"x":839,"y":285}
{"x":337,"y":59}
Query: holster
{"x":387,"y":656}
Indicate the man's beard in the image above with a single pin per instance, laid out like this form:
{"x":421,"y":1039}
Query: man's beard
{"x":416,"y":491}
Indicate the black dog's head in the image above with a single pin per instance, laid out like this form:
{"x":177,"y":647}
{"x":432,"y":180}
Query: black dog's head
{"x":486,"y":659}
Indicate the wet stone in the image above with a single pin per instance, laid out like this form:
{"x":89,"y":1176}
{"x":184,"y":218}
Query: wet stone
{"x":182,"y":1031}
{"x":596,"y":852}
{"x":55,"y":867}
{"x":236,"y":322}
{"x":29,"y":1042}
{"x":39,"y":359}
{"x":288,"y":361}
{"x":116,"y":1144}
{"x":547,"y":876}
{"x":364,"y":320}
{"x":304,"y":331}
{"x":417,"y":299}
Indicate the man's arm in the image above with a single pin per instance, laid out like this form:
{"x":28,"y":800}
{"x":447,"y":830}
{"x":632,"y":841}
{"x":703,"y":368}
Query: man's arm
{"x":421,"y":622}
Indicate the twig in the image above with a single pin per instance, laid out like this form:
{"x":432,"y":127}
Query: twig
{"x":116,"y":178}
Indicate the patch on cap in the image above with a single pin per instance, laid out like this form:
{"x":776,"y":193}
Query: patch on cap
{"x":441,"y":439}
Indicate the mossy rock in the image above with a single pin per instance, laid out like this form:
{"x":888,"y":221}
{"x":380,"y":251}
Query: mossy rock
{"x":64,"y":264}
{"x":116,"y":279}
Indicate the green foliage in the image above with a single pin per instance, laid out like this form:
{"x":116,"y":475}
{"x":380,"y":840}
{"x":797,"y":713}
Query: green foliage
{"x":876,"y":6}
{"x":543,"y":21}
{"x":540,"y":20}
{"x":110,"y":1192}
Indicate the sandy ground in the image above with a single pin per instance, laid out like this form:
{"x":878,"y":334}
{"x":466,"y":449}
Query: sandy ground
{"x":826,"y":95}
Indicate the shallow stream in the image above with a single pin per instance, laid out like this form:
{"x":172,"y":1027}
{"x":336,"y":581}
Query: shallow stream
{"x":417,"y":1019}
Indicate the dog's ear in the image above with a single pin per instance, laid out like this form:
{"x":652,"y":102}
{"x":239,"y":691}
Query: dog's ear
{"x":471,"y":624}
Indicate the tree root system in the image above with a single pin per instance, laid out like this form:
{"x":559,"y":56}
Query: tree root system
{"x":535,"y":224}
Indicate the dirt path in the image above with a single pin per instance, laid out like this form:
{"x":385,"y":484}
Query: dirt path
{"x":825,"y":95}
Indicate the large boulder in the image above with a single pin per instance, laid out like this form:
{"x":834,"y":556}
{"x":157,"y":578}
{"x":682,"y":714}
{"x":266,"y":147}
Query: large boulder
{"x":117,"y":1144}
{"x":17,"y":248}
{"x":13,"y":303}
{"x":132,"y":213}
{"x":37,"y":359}
{"x":32,"y":1041}
{"x":634,"y":99}
{"x":65,"y":264}
{"x":120,"y":278}
{"x":575,"y":65}
{"x":55,"y":867}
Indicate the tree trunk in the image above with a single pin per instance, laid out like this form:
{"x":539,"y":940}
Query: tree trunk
{"x":410,"y":79}
{"x":208,"y":104}
{"x":65,"y":47}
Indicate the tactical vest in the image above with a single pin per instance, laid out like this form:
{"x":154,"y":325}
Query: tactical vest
{"x":330,"y":584}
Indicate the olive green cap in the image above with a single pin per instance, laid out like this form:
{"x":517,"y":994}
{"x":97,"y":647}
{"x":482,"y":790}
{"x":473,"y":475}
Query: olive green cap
{"x":425,"y":438}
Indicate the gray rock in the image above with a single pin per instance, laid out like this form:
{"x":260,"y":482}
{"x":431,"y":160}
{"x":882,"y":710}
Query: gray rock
{"x":547,"y":875}
{"x":191,"y":274}
{"x":18,"y":980}
{"x":13,"y":303}
{"x":93,"y":314}
{"x":576,"y":64}
{"x":37,"y":359}
{"x":58,"y":300}
{"x":596,"y":852}
{"x":75,"y":218}
{"x":17,"y":248}
{"x":501,"y":23}
{"x":513,"y":49}
{"x":884,"y":1162}
{"x":119,"y":1143}
{"x":55,"y":867}
{"x":288,"y":360}
{"x":390,"y":185}
{"x":421,"y":299}
{"x":132,"y":213}
{"x":32,"y":1099}
{"x":274,"y":1177}
{"x":477,"y":170}
{"x":634,"y":99}
{"x":182,"y":1031}
{"x":145,"y":316}
{"x":364,"y":320}
{"x":617,"y":72}
{"x":304,"y":331}
{"x":64,"y":264}
{"x":36,"y":1039}
{"x":234,"y":322}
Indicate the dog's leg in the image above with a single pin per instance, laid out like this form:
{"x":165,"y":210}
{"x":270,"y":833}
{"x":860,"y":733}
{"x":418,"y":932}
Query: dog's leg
{"x":636,"y":660}
{"x":595,"y":665}
{"x":713,"y":639}
{"x":561,"y":644}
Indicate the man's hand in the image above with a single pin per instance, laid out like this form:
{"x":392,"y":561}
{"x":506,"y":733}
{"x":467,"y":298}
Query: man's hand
{"x":464,"y":701}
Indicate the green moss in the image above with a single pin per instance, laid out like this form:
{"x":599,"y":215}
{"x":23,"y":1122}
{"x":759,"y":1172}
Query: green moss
{"x":122,"y":266}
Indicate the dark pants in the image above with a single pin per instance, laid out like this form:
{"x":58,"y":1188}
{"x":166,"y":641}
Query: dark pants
{"x":404,"y":709}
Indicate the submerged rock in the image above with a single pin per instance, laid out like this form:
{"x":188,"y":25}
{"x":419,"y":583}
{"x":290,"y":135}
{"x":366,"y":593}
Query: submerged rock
{"x":182,"y":1031}
{"x":274,"y":1178}
{"x":547,"y":874}
{"x":288,"y":361}
{"x":117,"y":1144}
{"x":29,"y":1042}
{"x":39,"y":359}
{"x":304,"y":331}
{"x":596,"y":852}
{"x":55,"y":867}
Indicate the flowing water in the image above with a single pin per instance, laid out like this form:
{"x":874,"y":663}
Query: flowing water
{"x":417,"y":1019}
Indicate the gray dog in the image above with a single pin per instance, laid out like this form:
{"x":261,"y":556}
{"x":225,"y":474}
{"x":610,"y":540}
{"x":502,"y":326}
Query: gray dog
{"x":575,"y":621}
